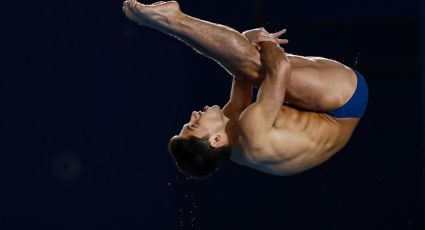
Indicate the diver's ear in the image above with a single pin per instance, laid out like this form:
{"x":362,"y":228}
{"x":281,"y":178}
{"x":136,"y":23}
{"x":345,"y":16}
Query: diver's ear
{"x":216,"y":140}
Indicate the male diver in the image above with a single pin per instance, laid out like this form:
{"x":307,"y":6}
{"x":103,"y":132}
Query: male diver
{"x":306,"y":108}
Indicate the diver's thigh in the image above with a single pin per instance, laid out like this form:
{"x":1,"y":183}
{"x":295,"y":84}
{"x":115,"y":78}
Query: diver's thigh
{"x":320,"y":89}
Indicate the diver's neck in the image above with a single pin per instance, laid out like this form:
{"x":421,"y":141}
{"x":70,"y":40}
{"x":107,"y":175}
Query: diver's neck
{"x":232,"y":131}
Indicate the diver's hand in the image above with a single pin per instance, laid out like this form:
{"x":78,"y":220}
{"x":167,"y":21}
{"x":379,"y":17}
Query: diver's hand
{"x":255,"y":36}
{"x":273,"y":57}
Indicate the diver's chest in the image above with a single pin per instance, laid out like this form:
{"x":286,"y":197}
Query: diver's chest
{"x":291,"y":118}
{"x":305,"y":124}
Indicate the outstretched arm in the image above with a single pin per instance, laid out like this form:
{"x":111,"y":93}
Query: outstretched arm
{"x":226,"y":46}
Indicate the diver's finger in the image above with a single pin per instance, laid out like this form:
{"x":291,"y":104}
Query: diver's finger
{"x":282,"y":41}
{"x":279,"y":33}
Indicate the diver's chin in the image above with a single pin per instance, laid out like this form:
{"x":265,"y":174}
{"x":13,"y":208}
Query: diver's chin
{"x":223,"y":117}
{"x":216,"y":107}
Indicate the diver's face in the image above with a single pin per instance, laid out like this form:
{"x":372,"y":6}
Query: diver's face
{"x":205,"y":122}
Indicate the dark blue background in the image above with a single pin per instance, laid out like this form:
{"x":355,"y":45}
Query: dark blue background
{"x":89,"y":101}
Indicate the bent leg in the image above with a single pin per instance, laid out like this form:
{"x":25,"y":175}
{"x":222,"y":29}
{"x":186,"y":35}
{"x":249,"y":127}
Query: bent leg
{"x":224,"y":45}
{"x":319,"y":84}
{"x":316,"y":84}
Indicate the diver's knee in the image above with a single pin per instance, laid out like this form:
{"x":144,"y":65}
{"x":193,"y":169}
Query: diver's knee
{"x":250,"y":65}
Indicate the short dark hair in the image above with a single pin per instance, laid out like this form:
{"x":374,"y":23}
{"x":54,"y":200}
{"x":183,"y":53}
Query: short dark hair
{"x":195,"y":157}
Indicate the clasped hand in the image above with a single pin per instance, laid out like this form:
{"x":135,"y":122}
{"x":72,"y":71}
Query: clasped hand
{"x":256,"y":36}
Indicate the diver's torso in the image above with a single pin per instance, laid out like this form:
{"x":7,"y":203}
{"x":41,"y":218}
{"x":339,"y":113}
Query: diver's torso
{"x":299,"y":141}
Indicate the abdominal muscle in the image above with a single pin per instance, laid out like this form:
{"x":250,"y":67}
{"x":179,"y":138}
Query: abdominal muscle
{"x":299,"y":141}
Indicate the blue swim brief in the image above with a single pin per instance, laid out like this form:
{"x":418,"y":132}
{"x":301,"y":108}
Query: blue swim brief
{"x":356,"y":106}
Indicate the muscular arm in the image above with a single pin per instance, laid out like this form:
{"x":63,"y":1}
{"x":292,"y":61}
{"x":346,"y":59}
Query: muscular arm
{"x":276,"y":69}
{"x":240,"y":99}
{"x":259,"y":118}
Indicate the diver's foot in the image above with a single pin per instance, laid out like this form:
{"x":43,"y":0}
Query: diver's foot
{"x":155,"y":15}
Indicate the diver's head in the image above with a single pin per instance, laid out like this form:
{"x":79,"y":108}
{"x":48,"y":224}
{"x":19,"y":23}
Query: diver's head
{"x":202,"y":145}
